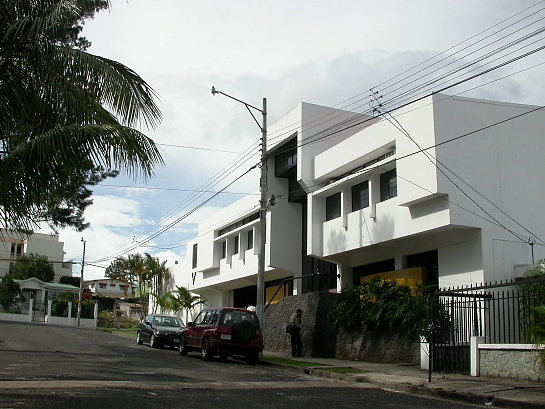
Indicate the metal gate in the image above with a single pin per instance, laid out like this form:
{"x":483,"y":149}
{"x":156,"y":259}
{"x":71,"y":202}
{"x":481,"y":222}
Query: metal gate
{"x":39,"y":309}
{"x":457,"y":315}
{"x":501,"y":313}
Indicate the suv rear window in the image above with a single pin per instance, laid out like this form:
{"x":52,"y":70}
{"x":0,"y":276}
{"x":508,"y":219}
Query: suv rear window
{"x":234,"y":317}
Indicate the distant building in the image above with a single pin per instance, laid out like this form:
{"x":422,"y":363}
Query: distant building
{"x":14,"y":244}
{"x":107,"y":287}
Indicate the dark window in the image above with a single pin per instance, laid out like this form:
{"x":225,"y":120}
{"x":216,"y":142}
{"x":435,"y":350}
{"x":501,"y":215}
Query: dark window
{"x":360,"y":196}
{"x":236,"y":245}
{"x":250,"y":239}
{"x":373,"y":269}
{"x":194,"y":264}
{"x":238,"y":224}
{"x":224,"y":249}
{"x":429,"y":260}
{"x":333,"y":206}
{"x":388,"y":185}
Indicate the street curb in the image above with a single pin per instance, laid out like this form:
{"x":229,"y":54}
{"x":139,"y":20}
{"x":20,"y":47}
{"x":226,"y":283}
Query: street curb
{"x":421,"y":390}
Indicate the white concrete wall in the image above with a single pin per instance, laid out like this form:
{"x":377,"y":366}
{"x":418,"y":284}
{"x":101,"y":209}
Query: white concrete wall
{"x":502,"y":163}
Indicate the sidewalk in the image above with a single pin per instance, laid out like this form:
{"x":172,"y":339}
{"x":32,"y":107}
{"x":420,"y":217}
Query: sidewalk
{"x":474,"y":390}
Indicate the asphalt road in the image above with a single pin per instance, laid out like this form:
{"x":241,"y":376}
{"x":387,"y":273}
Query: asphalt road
{"x":43,"y":366}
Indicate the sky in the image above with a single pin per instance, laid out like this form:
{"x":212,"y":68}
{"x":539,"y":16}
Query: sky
{"x":321,"y":52}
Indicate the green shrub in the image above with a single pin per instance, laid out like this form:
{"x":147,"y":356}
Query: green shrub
{"x":381,"y":305}
{"x":87,"y":309}
{"x":59,"y":308}
{"x":346,"y":311}
{"x":106,"y":319}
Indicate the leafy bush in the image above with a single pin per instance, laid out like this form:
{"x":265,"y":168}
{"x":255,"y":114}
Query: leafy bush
{"x":346,"y":311}
{"x":533,"y":308}
{"x":59,"y":308}
{"x":87,"y":309}
{"x":380,"y":305}
{"x":106,"y":319}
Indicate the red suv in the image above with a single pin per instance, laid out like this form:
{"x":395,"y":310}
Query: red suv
{"x":225,"y":332}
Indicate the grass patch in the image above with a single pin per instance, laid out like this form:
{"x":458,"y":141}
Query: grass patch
{"x":345,"y":370}
{"x":123,"y":331}
{"x":292,"y":362}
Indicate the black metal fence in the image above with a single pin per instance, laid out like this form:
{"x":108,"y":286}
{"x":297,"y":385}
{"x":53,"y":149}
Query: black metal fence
{"x":501,"y":313}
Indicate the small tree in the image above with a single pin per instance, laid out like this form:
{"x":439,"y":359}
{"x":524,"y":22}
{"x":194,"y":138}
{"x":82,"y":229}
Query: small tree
{"x":183,"y":299}
{"x":9,"y":289}
{"x":533,"y":308}
{"x":32,"y":265}
{"x":164,"y":301}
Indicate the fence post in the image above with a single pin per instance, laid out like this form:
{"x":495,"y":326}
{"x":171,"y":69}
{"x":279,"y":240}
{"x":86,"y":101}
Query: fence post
{"x":475,"y":356}
{"x":69,"y":322}
{"x":31,"y":309}
{"x":95,"y":314}
{"x":424,"y":353}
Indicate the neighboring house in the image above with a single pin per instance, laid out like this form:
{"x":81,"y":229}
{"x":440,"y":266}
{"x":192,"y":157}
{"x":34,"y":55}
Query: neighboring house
{"x":446,"y":193}
{"x":14,"y":244}
{"x":107,"y":287}
{"x":41,"y":291}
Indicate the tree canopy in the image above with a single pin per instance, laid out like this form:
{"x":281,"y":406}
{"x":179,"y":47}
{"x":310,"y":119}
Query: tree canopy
{"x":64,"y":113}
{"x":145,"y":273}
{"x":32,"y":265}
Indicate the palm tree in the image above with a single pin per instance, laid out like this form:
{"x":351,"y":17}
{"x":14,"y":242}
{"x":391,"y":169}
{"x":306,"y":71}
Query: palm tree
{"x":63,"y":110}
{"x":160,"y":276}
{"x":187,"y":300}
{"x":133,"y":270}
{"x":164,"y":301}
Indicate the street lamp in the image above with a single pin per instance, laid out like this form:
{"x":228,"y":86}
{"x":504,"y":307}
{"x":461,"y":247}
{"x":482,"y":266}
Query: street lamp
{"x":262,"y":201}
{"x":81,"y":282}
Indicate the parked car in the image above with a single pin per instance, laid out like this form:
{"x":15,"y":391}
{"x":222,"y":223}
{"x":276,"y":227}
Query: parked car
{"x":158,"y":330}
{"x":223,"y":331}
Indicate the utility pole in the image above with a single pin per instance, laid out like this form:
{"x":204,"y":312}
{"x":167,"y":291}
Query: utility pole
{"x":81,"y":283}
{"x":262,"y":202}
{"x":262,"y":220}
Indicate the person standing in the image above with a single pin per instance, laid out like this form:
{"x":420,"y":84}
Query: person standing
{"x":295,"y":333}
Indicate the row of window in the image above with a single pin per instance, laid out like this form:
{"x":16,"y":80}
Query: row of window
{"x":236,"y":248}
{"x":238,"y":224}
{"x":249,"y":244}
{"x":360,"y":195}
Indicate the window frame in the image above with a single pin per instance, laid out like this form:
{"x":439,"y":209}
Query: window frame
{"x":195,"y":252}
{"x":388,"y":190}
{"x":333,"y":207}
{"x":356,"y":196}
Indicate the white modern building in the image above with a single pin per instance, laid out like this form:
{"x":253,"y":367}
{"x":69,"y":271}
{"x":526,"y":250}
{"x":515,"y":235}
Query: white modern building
{"x":445,"y":191}
{"x":14,"y":244}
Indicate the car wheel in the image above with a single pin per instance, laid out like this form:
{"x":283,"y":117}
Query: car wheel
{"x":138,"y":339}
{"x":152,"y":341}
{"x":252,"y":358}
{"x":223,"y":356}
{"x":182,"y":347}
{"x":244,"y":331}
{"x":206,"y":352}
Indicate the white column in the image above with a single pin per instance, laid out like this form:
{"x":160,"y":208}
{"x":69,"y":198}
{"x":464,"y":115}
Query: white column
{"x":475,"y":355}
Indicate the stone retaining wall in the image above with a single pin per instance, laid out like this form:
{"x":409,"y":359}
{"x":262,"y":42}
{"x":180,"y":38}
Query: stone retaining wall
{"x":511,"y":364}
{"x":321,"y":340}
{"x":368,"y":346}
